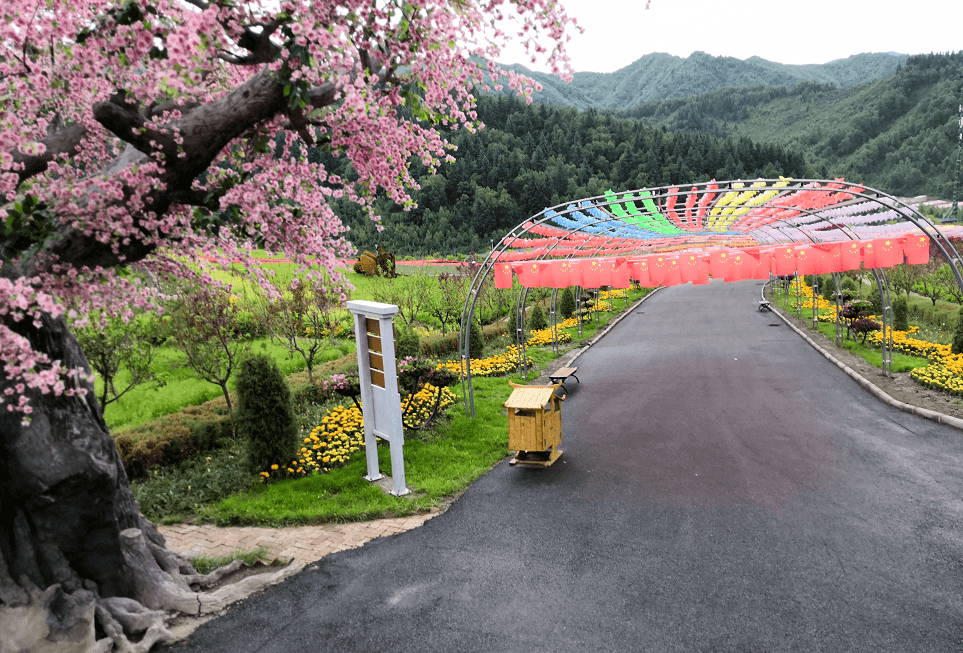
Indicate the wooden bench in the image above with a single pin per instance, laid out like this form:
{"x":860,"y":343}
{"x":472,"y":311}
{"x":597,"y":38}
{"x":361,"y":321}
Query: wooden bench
{"x":561,"y":375}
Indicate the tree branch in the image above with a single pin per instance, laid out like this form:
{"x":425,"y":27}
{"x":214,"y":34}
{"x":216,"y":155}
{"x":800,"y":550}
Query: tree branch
{"x":65,"y":141}
{"x":125,"y":122}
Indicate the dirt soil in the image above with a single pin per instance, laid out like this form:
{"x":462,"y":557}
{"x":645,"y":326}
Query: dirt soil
{"x":898,"y":386}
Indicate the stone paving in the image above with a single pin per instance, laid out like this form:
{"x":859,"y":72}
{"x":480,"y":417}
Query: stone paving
{"x":305,"y":543}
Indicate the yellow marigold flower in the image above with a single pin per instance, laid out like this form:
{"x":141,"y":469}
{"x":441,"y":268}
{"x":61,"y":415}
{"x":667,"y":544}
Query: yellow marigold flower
{"x":274,"y":466}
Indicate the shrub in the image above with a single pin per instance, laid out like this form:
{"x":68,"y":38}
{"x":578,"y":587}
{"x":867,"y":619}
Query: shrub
{"x":849,"y":284}
{"x":265,"y":415}
{"x":536,"y":319}
{"x":407,"y":344}
{"x":171,"y":439}
{"x":828,"y":287}
{"x":957,"y":347}
{"x":863,"y":326}
{"x":476,"y":341}
{"x":875,"y":300}
{"x":900,"y":314}
{"x":566,"y":305}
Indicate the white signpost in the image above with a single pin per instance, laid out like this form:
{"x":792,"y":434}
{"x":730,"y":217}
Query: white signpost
{"x":380,"y":399}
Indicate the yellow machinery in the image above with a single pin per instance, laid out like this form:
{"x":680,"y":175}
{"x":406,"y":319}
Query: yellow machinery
{"x":535,"y":424}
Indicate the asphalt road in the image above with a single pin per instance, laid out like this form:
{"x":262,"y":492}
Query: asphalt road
{"x":723,"y":488}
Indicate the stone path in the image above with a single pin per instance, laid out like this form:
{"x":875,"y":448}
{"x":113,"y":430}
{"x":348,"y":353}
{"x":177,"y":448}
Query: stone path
{"x":305,"y":543}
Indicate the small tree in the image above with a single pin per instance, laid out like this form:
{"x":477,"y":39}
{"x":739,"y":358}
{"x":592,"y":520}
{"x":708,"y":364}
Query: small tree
{"x":864,"y":326}
{"x":302,"y":319}
{"x":112,"y":344}
{"x":412,"y":294}
{"x":265,"y":415}
{"x":566,"y":305}
{"x":447,"y":302}
{"x":202,"y":326}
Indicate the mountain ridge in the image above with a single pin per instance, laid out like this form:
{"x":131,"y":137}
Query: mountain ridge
{"x":661,"y":76}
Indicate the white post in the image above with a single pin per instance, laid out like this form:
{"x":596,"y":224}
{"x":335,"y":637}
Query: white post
{"x":380,"y":399}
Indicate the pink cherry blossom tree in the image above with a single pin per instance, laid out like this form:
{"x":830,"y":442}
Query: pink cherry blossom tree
{"x":165,"y":133}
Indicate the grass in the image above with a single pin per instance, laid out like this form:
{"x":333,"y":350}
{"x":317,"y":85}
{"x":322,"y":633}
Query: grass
{"x":181,"y":386}
{"x":207,"y":564}
{"x":870,"y":353}
{"x":439,"y":463}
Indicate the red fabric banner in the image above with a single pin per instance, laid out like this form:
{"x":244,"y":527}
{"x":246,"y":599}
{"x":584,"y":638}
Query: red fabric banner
{"x":740,"y":267}
{"x":917,"y":249}
{"x":673,"y":275}
{"x":639,"y":269}
{"x":889,"y":252}
{"x":592,"y":274}
{"x":503,"y":275}
{"x":830,"y":257}
{"x":805,"y":260}
{"x":869,"y":254}
{"x":850,"y":255}
{"x":719,"y":263}
{"x":658,"y":267}
{"x":784,"y":260}
{"x":690,"y":267}
{"x":529,"y":274}
{"x":619,"y":273}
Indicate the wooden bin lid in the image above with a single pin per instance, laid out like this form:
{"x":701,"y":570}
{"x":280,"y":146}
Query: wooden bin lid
{"x":530,"y":396}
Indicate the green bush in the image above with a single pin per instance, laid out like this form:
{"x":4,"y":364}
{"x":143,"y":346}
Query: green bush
{"x":827,"y":287}
{"x":407,"y":344}
{"x":171,"y":439}
{"x":875,"y":300}
{"x":566,"y":305}
{"x":957,"y":347}
{"x":476,"y":341}
{"x":265,"y":415}
{"x":536,"y":319}
{"x":900,"y":314}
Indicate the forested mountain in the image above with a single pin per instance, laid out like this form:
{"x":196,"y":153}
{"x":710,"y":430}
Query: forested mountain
{"x":898,"y":133}
{"x":661,"y":76}
{"x":530,"y":157}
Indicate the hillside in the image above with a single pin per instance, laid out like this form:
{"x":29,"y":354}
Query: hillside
{"x":661,"y":76}
{"x":898,"y":133}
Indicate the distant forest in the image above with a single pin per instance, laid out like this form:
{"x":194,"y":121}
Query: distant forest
{"x":529,"y":157}
{"x":898,"y":133}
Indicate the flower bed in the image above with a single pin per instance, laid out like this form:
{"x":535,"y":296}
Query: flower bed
{"x":341,"y":434}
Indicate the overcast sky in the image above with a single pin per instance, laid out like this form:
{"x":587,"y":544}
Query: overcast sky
{"x":618,"y":32}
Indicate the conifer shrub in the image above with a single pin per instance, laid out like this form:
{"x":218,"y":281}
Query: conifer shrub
{"x":566,"y":305}
{"x":875,"y":300}
{"x":536,"y":319}
{"x":476,"y":341}
{"x":957,"y":347}
{"x":827,"y":287}
{"x":265,"y":414}
{"x":900,"y":314}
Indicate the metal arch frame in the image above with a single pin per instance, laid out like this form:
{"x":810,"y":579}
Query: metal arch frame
{"x":880,"y":198}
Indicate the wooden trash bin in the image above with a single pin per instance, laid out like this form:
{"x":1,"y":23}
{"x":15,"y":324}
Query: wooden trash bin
{"x":534,"y":424}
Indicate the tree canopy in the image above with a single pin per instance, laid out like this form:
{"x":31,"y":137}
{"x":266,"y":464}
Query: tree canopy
{"x":162,"y":131}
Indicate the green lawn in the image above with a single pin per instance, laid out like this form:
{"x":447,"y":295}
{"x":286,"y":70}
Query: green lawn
{"x":439,"y":464}
{"x":182,"y":387}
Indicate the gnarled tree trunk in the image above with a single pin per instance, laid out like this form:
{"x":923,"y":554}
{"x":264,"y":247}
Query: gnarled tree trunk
{"x":80,"y":567}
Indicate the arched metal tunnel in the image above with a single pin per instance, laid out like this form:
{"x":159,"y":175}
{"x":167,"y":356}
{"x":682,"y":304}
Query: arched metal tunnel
{"x":733,"y":230}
